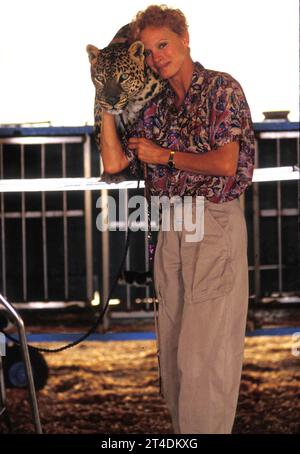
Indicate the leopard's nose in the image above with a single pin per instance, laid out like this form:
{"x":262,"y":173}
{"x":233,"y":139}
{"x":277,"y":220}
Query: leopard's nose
{"x":113,"y":100}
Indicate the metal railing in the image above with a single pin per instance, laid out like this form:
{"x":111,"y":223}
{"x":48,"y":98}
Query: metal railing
{"x":26,"y":213}
{"x":100,"y":255}
{"x":276,"y":212}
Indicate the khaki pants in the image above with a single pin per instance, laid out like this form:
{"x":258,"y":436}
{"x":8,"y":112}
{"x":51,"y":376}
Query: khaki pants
{"x":202,"y":288}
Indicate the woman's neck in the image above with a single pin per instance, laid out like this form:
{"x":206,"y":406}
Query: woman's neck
{"x":181,"y":81}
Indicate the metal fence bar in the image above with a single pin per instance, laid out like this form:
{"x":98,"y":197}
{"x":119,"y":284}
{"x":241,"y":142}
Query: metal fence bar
{"x":256,"y":231}
{"x":44,"y":227}
{"x":23,"y":223}
{"x":105,"y":259}
{"x":279,"y":221}
{"x":88,"y":219}
{"x":147,"y":292}
{"x":265,"y":213}
{"x":65,"y":226}
{"x":48,"y":214}
{"x":298,"y":166}
{"x":3,"y":247}
{"x":127,"y":261}
{"x":266,"y":267}
{"x":105,"y":253}
{"x":39,"y":140}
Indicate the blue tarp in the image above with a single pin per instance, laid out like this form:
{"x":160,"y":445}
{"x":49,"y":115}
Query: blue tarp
{"x":149,"y":335}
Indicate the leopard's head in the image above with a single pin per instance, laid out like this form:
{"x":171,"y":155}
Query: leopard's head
{"x":118,"y":74}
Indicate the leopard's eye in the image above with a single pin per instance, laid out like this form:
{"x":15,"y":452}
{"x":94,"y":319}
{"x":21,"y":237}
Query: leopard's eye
{"x":123,"y":77}
{"x":100,"y":79}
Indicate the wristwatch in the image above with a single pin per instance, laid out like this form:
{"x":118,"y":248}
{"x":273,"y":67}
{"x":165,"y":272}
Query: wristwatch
{"x":171,"y":163}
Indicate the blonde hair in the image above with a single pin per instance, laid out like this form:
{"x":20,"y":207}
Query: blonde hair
{"x":159,"y":16}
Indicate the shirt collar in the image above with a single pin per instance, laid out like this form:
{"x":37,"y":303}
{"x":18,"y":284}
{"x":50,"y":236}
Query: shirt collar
{"x":194,"y":89}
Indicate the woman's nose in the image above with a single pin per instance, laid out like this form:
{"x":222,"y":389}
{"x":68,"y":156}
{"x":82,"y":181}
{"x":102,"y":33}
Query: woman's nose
{"x":156,"y":57}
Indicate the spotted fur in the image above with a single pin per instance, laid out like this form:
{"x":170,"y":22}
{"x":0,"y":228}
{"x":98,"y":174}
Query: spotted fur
{"x":123,"y":82}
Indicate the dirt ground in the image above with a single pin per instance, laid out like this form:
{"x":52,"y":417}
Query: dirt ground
{"x":112,"y":388}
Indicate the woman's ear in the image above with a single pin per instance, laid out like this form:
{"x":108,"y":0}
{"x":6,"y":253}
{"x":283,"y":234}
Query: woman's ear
{"x":186,"y":38}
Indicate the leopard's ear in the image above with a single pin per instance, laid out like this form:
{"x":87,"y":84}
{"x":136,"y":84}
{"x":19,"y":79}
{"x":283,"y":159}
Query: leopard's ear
{"x":136,"y":51}
{"x":93,"y":52}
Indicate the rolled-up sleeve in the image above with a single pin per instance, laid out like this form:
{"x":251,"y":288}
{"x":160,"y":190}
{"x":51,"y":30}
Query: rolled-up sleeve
{"x":230,"y":121}
{"x":143,"y":127}
{"x":134,"y":164}
{"x":133,"y":169}
{"x":230,"y":114}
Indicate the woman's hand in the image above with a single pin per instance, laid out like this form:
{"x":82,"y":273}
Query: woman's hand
{"x":220,"y":162}
{"x":147,"y":151}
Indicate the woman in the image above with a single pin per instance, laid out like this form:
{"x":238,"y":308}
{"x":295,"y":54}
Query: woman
{"x":197,"y":140}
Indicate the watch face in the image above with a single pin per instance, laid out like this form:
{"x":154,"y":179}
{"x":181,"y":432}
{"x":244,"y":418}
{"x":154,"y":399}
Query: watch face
{"x":171,"y":158}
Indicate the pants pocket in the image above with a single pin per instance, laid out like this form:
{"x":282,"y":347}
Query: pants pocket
{"x":213,"y":276}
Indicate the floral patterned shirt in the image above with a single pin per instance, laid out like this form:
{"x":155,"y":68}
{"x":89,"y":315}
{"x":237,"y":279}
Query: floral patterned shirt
{"x":214,"y":113}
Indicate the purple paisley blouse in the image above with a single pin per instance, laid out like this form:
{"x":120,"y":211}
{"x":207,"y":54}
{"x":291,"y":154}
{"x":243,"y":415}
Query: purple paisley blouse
{"x":214,"y":112}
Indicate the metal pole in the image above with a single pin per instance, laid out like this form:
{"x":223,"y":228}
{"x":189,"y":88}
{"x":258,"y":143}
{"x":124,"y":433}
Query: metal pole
{"x":127,"y":260}
{"x":88,"y":219}
{"x":147,"y":291}
{"x":256,"y":231}
{"x":2,"y":388}
{"x":26,"y":358}
{"x":65,"y":227}
{"x":279,"y":223}
{"x":105,"y":262}
{"x":23,"y":223}
{"x":3,"y":248}
{"x":44,"y":227}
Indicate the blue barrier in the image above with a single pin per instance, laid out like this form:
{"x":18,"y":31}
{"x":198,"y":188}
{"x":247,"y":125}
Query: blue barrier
{"x":148,"y":335}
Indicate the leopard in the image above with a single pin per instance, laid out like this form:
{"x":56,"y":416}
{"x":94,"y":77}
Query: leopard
{"x":123,"y":82}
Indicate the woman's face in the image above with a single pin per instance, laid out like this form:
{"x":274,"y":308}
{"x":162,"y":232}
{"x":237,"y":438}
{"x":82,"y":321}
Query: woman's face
{"x":165,"y":51}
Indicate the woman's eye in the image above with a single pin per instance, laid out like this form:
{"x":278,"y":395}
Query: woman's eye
{"x":162,"y":45}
